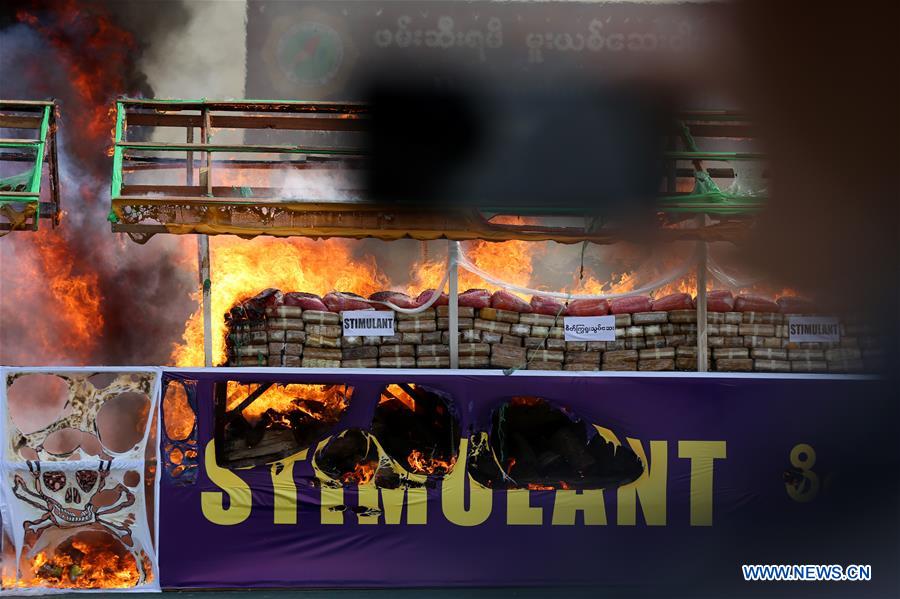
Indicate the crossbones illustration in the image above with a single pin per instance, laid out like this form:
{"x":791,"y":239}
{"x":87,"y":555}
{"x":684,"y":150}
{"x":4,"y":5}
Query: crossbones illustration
{"x":67,"y":500}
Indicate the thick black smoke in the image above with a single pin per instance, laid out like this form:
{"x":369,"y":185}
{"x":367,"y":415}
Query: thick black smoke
{"x":85,"y":54}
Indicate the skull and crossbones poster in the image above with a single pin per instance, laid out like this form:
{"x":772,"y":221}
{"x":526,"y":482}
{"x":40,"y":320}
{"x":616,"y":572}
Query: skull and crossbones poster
{"x":74,"y":490}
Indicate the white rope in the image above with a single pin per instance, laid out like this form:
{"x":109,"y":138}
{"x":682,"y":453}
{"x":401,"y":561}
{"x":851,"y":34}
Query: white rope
{"x":727,"y":279}
{"x":435,"y":296}
{"x":672,"y":276}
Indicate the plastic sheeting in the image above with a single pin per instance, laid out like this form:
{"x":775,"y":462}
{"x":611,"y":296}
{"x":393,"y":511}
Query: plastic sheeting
{"x":73,"y":481}
{"x":717,"y":449}
{"x":674,"y":274}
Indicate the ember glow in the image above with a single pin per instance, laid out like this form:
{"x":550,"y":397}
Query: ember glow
{"x":537,"y":487}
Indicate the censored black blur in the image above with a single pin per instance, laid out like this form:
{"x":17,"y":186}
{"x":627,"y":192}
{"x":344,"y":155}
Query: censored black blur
{"x":566,"y":145}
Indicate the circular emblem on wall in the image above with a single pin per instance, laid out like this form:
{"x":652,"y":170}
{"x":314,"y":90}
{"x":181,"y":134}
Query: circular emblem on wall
{"x":308,"y":56}
{"x":310,"y":53}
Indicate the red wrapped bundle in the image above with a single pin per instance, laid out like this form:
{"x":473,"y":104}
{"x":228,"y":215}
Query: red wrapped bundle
{"x":632,"y":303}
{"x":475,"y":298}
{"x":504,"y":300}
{"x":338,"y":301}
{"x":255,"y":307}
{"x":425,"y":297}
{"x":588,"y":307}
{"x":546,"y":305}
{"x":719,"y":300}
{"x":307,"y":301}
{"x":675,"y":301}
{"x":795,"y":305}
{"x":397,"y":298}
{"x":754,"y":303}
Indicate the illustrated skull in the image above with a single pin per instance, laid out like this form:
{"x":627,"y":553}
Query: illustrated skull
{"x":79,"y":497}
{"x":66,"y":499}
{"x":69,"y":495}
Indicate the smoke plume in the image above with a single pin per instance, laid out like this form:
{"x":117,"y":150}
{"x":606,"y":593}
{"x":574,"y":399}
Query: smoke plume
{"x":79,"y":294}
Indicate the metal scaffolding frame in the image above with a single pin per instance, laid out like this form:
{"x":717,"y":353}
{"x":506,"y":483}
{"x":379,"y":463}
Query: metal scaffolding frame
{"x":143,"y":209}
{"x":26,"y":160}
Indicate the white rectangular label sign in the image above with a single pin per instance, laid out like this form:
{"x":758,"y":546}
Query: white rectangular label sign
{"x":822,"y":329}
{"x":590,"y":328}
{"x":368,"y":323}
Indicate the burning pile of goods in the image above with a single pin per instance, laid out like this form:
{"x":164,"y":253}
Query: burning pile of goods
{"x":536,"y":445}
{"x":414,"y":428}
{"x":270,"y":420}
{"x":260,"y":423}
{"x":89,"y":560}
{"x":500,"y":330}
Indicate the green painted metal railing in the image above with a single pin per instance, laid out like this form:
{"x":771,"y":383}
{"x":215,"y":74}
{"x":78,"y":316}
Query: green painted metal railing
{"x":706,"y":197}
{"x":30,"y":179}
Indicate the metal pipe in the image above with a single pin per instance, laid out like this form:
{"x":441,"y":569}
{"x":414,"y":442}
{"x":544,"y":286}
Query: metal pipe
{"x":452,"y":261}
{"x":189,"y":166}
{"x":702,"y":347}
{"x":206,"y":286}
{"x":203,"y":248}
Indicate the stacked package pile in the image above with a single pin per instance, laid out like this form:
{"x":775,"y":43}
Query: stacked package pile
{"x":751,"y":333}
{"x":500,"y":330}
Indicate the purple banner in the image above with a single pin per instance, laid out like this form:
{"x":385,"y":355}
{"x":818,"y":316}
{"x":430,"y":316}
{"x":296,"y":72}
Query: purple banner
{"x":733,"y":470}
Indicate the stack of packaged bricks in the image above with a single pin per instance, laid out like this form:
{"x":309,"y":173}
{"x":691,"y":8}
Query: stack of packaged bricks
{"x":500,"y":330}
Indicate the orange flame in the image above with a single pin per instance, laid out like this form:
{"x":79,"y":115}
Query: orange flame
{"x":425,"y":465}
{"x":510,"y":261}
{"x":82,"y":565}
{"x":361,"y":474}
{"x":76,"y":318}
{"x":397,"y":392}
{"x":91,"y":74}
{"x":289,"y":398}
{"x":240,"y":269}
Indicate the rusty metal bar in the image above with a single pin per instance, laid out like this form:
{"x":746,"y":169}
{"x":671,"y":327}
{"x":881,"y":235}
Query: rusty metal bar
{"x":285,"y":123}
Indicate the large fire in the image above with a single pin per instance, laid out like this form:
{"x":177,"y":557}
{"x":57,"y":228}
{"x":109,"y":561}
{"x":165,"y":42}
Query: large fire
{"x":78,"y":564}
{"x":52,"y":279}
{"x":72,"y":326}
{"x":240,"y":269}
